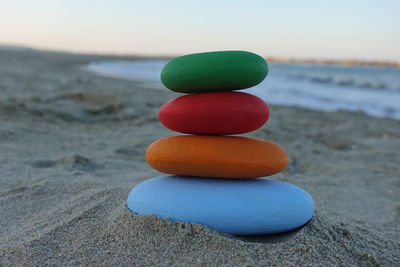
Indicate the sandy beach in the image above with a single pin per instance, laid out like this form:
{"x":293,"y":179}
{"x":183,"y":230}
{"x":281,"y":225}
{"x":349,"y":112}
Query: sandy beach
{"x":73,"y":144}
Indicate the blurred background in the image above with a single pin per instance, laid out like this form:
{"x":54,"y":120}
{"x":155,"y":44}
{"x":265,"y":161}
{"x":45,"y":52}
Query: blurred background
{"x":324,"y":55}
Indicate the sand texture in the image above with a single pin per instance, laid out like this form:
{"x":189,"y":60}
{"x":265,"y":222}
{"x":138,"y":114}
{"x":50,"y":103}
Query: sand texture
{"x":73,"y":145}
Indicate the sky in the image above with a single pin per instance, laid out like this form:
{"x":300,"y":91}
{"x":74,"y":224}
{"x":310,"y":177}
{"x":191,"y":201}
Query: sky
{"x":352,"y":29}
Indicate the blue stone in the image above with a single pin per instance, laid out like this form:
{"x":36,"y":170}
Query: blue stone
{"x":234,"y":206}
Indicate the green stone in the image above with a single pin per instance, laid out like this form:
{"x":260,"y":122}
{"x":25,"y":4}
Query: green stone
{"x":214,"y":71}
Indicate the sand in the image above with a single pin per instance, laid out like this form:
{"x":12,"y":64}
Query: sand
{"x":72,"y":146}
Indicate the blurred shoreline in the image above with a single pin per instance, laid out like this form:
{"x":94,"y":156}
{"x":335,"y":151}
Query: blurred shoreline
{"x":338,"y":62}
{"x":373,"y":90}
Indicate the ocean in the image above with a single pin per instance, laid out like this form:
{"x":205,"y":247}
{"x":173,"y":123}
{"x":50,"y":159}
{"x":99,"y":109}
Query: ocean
{"x":373,"y":90}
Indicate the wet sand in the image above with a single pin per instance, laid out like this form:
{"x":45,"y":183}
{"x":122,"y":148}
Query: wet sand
{"x":73,"y":143}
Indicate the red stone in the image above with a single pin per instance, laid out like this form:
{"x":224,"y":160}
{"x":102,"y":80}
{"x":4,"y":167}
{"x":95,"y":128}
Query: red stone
{"x":216,"y":113}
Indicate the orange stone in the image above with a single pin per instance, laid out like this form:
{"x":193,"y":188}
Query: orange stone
{"x":216,"y":156}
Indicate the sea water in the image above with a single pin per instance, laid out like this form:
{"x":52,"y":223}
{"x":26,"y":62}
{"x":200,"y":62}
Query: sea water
{"x":373,"y":90}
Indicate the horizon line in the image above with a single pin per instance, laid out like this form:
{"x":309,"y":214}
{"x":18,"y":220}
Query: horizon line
{"x":272,"y":59}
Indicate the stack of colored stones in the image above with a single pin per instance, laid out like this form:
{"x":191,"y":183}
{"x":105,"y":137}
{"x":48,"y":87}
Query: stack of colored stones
{"x":213,"y":175}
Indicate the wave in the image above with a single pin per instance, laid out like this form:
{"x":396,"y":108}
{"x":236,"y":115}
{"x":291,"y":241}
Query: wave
{"x":348,"y":82}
